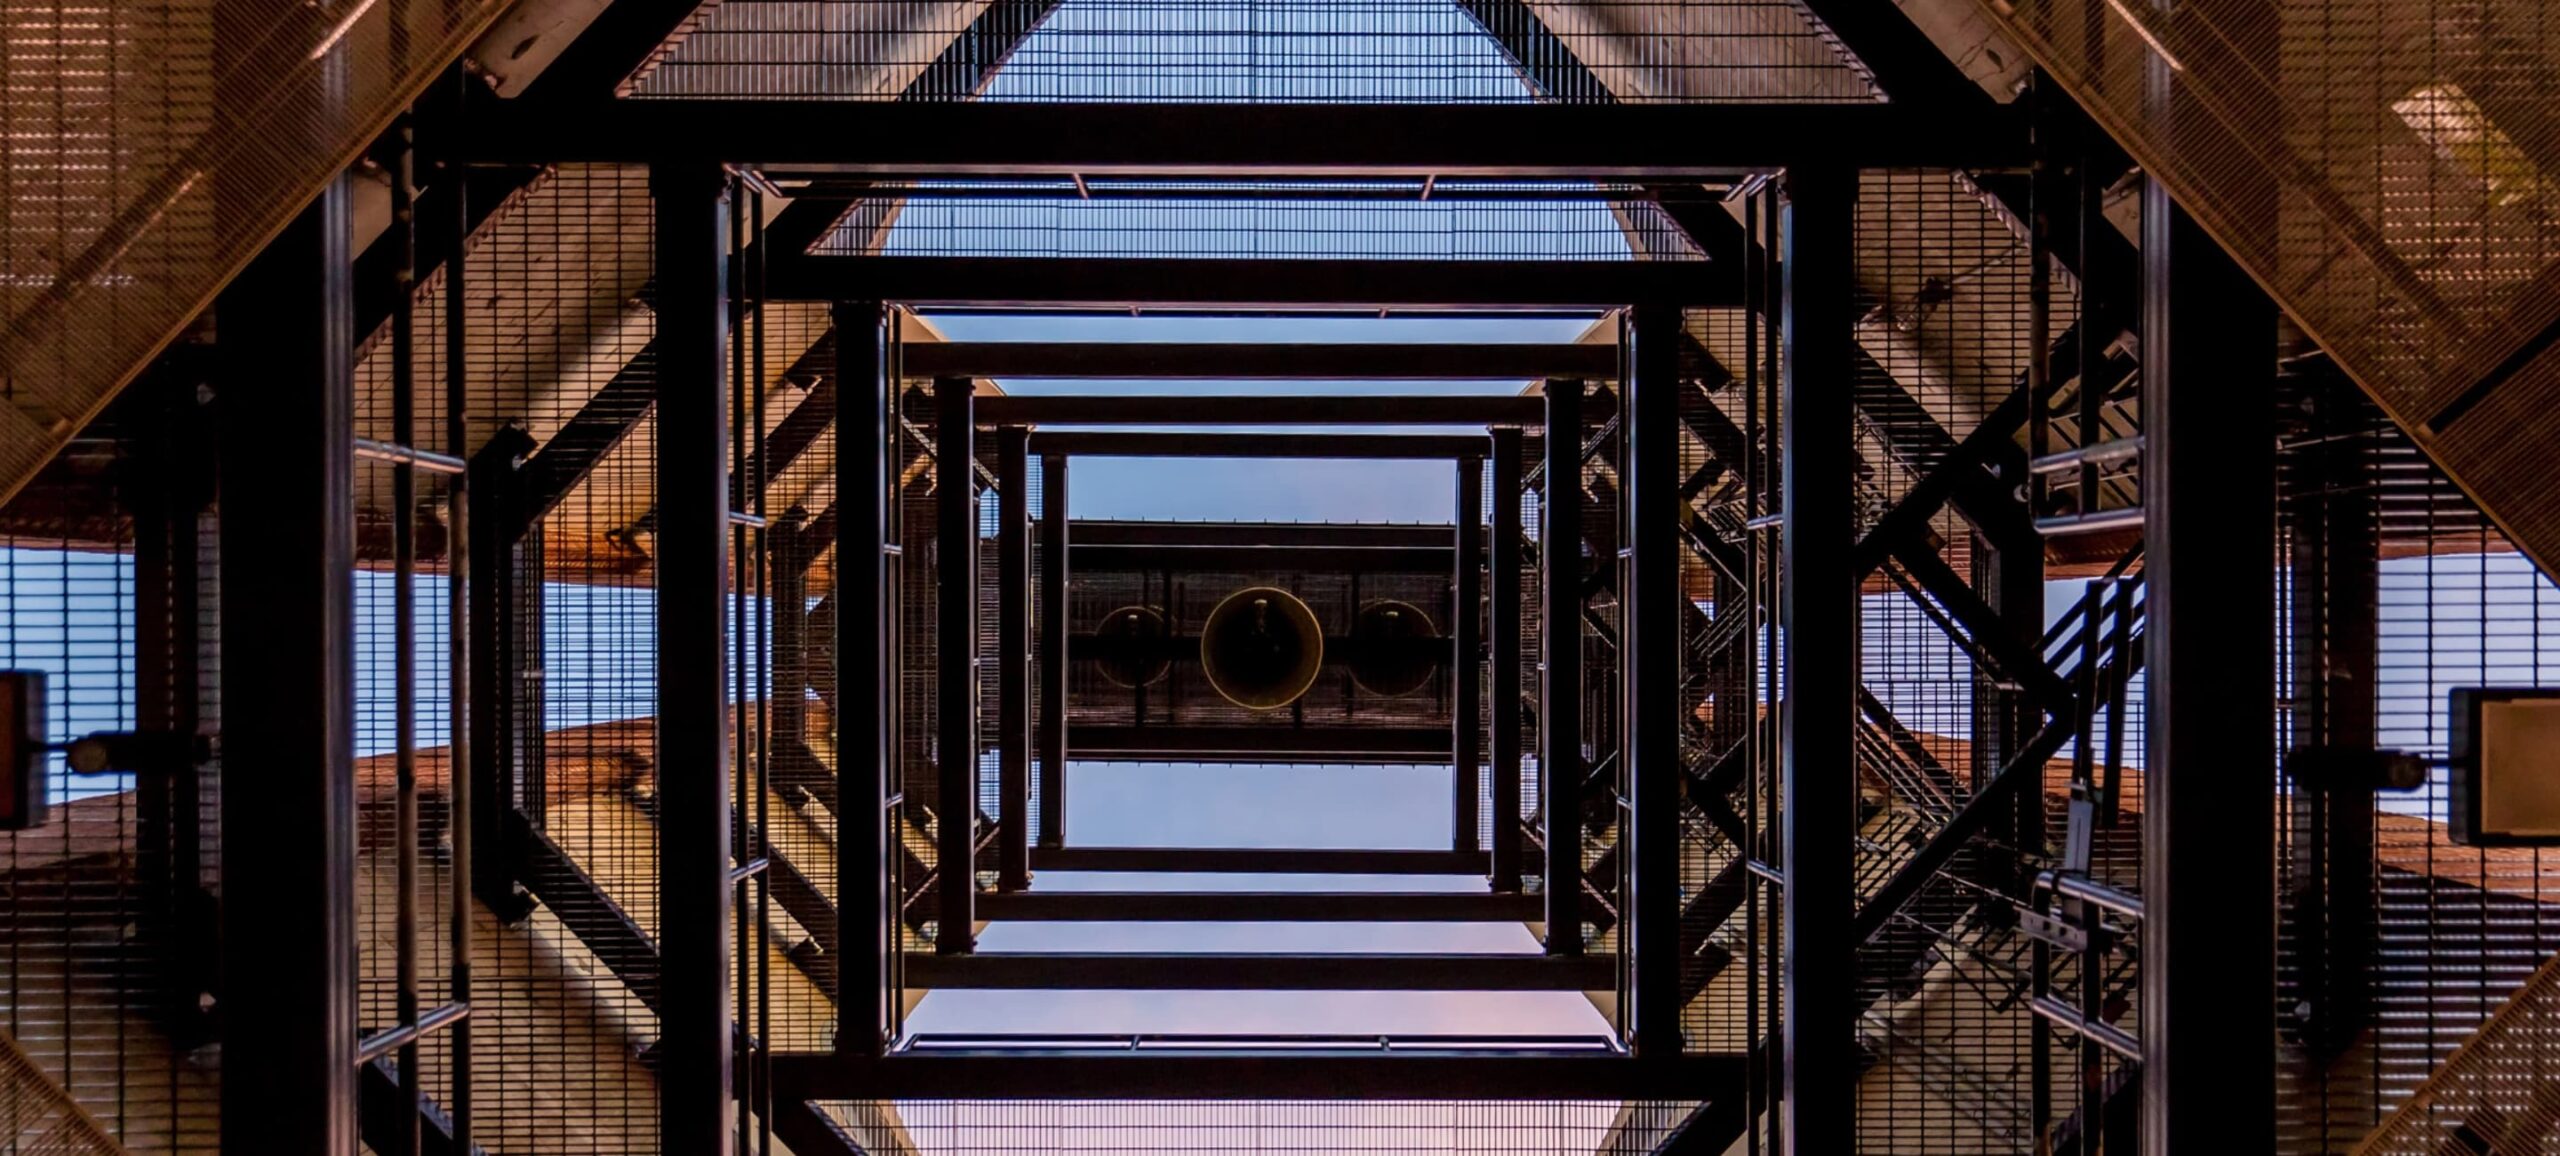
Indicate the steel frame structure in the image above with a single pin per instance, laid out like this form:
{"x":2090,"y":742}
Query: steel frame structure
{"x":567,"y":120}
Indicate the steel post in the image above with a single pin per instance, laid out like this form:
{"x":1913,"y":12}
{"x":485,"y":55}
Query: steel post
{"x":865,"y":650}
{"x":1818,"y":607}
{"x":1560,"y":668}
{"x":2208,"y":933}
{"x":693,"y":754}
{"x":956,"y":690}
{"x":1054,"y":626}
{"x":1013,"y":658}
{"x":1466,"y":670}
{"x":1502,"y":612}
{"x":288,"y":1001}
{"x":1649,"y":675}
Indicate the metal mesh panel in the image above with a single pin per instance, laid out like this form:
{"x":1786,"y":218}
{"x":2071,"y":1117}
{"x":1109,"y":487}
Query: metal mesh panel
{"x":2386,"y":170}
{"x":103,"y":936}
{"x":152,"y":150}
{"x":37,"y":1115}
{"x":1260,"y":51}
{"x":1270,"y":220}
{"x":2372,"y":1006}
{"x":1954,"y":1059}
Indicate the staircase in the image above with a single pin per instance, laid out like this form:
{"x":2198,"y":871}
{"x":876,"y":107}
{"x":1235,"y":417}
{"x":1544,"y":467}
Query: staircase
{"x":153,"y":149}
{"x":38,"y":1115}
{"x":2390,"y":173}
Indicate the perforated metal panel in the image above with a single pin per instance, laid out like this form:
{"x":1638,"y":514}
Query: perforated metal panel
{"x":2390,"y":171}
{"x":151,"y":150}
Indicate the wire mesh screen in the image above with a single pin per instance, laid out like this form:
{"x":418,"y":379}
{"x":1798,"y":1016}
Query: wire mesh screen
{"x":107,"y":587}
{"x":2387,"y":171}
{"x":1603,"y":787}
{"x":1260,"y":51}
{"x":1271,"y":220}
{"x":153,"y":149}
{"x":1949,"y":656}
{"x":2398,"y":944}
{"x":918,"y":702}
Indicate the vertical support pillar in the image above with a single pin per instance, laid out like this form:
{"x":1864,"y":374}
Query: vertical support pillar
{"x":1502,"y":611}
{"x":1649,"y":674}
{"x":1466,"y":670}
{"x":791,"y":548}
{"x":2336,"y":600}
{"x":866,"y":649}
{"x":693,"y":667}
{"x":1560,"y":667}
{"x":2208,"y":934}
{"x":956,"y":692}
{"x":168,"y":492}
{"x":497,"y":600}
{"x":1818,"y":611}
{"x":288,"y":527}
{"x":1053,"y":650}
{"x":1013,"y":659}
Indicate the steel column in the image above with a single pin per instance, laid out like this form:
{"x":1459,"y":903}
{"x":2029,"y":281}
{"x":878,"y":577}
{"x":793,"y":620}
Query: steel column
{"x":2208,"y":934}
{"x":169,"y":493}
{"x":956,"y":689}
{"x":1503,"y":613}
{"x":694,"y":1047}
{"x":1560,"y":666}
{"x":1013,"y":657}
{"x":2336,"y":592}
{"x":1052,"y":742}
{"x":865,"y":648}
{"x":1649,"y":673}
{"x":1466,"y":670}
{"x":1819,"y":613}
{"x":288,"y":1002}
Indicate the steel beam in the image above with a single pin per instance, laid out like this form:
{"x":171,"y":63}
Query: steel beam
{"x":1651,"y":609}
{"x":1560,"y":760}
{"x":1055,"y":557}
{"x":1503,"y":612}
{"x":1215,"y":361}
{"x":1157,"y":409}
{"x":1261,"y":744}
{"x":1259,"y":906}
{"x":2208,"y":934}
{"x":956,"y":670}
{"x":1194,"y":971}
{"x":1819,"y":613}
{"x":1089,"y":558}
{"x":288,"y":1002}
{"x":1279,"y":284}
{"x":865,"y":651}
{"x":693,"y":793}
{"x":1291,"y":534}
{"x":1098,"y":443}
{"x":1523,"y":1072}
{"x":1260,"y":860}
{"x":1466,"y":672}
{"x":1671,"y":141}
{"x":1013,"y":658}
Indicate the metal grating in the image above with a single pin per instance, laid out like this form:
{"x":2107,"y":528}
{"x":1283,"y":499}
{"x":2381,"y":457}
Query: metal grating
{"x":152,"y":150}
{"x":1260,"y":52}
{"x":1269,"y":220}
{"x":2387,"y":170}
{"x":1531,"y":1128}
{"x":2375,"y":1006}
{"x":104,"y":911}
